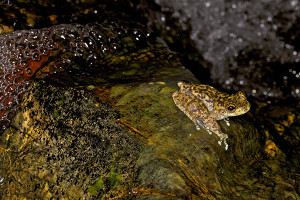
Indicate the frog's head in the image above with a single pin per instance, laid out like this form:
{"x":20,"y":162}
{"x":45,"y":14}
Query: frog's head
{"x":237,"y":105}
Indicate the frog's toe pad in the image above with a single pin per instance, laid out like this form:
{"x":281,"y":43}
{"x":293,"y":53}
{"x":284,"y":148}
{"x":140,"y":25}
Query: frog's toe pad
{"x":226,"y":146}
{"x":224,"y":141}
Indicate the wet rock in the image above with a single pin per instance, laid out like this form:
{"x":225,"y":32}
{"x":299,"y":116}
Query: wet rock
{"x":38,"y":53}
{"x":20,"y":14}
{"x":110,"y":129}
{"x":129,"y":140}
{"x":62,"y":143}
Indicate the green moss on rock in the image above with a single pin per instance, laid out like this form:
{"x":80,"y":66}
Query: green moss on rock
{"x":96,"y":187}
{"x":67,"y":152}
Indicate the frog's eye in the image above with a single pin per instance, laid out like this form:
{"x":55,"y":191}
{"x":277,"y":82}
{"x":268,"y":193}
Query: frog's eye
{"x":230,"y":107}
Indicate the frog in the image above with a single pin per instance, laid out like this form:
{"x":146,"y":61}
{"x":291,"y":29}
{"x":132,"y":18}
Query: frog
{"x":205,"y":105}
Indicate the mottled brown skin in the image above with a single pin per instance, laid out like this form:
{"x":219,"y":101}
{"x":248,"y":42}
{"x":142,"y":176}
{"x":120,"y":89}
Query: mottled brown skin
{"x":204,"y":105}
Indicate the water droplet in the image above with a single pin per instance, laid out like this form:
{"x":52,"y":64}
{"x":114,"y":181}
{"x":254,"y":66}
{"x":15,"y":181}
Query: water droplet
{"x":23,"y":64}
{"x":52,"y":46}
{"x":8,"y":101}
{"x":269,"y":19}
{"x":88,"y":43}
{"x":294,"y":3}
{"x":92,"y":58}
{"x":44,"y":51}
{"x":36,"y":56}
{"x":32,"y":45}
{"x":29,"y":71}
{"x":232,"y":35}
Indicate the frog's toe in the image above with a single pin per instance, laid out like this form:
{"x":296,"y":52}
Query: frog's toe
{"x":226,"y":146}
{"x":207,"y":129}
{"x":225,"y":143}
{"x":199,"y":124}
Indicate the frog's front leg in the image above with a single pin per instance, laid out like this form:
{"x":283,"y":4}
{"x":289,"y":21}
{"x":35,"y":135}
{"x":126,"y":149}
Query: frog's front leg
{"x":214,"y":127}
{"x":192,"y":108}
{"x":199,"y":123}
{"x":199,"y":114}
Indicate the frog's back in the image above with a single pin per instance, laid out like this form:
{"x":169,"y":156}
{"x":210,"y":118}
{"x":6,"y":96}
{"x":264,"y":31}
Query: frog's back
{"x":205,"y":93}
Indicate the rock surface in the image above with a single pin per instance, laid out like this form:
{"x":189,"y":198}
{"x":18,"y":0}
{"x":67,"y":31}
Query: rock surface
{"x":129,"y":140}
{"x":112,"y":131}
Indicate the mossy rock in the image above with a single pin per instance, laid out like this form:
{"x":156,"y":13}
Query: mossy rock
{"x":62,"y":142}
{"x":131,"y":143}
